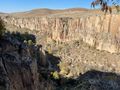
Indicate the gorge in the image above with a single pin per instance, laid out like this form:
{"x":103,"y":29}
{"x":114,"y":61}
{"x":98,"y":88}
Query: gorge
{"x":75,"y":49}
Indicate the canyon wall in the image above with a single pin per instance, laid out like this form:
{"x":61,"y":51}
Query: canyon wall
{"x":99,"y":31}
{"x":19,"y":67}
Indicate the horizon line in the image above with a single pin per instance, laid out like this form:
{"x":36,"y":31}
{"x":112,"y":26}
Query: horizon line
{"x":44,"y":8}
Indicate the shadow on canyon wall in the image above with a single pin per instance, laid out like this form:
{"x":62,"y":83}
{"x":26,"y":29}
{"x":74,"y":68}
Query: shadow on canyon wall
{"x":93,"y":80}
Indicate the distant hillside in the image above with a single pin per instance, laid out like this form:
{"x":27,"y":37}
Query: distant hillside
{"x":43,"y":12}
{"x":1,"y":13}
{"x":74,"y":12}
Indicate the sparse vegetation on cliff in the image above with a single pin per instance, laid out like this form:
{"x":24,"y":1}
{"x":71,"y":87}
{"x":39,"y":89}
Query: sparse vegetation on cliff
{"x":55,"y":75}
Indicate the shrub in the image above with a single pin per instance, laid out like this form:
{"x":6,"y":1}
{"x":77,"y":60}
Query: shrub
{"x":55,"y":75}
{"x":49,"y":50}
{"x":30,"y":42}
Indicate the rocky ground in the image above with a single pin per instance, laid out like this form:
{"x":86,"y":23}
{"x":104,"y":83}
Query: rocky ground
{"x":79,"y":57}
{"x":89,"y":68}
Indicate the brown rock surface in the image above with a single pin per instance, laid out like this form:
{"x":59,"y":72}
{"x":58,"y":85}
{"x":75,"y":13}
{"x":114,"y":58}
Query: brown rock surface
{"x":99,"y":31}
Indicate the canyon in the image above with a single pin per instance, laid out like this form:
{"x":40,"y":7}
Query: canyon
{"x":99,"y":31}
{"x":69,"y":48}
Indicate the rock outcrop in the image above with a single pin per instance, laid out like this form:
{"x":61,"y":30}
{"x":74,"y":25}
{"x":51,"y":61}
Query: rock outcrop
{"x":99,"y":31}
{"x":19,"y":66}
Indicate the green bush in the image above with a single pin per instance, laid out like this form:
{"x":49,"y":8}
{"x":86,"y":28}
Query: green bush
{"x":29,"y":42}
{"x":55,"y":75}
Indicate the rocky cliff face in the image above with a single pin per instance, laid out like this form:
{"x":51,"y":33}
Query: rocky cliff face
{"x":19,"y":68}
{"x":99,"y":31}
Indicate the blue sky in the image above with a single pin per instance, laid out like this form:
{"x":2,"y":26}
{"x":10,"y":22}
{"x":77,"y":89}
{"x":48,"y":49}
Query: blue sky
{"x":24,"y":5}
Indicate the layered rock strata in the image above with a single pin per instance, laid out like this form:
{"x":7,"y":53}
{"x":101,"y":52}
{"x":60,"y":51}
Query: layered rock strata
{"x":99,"y":31}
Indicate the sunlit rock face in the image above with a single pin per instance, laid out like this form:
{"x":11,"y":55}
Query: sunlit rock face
{"x":100,"y":31}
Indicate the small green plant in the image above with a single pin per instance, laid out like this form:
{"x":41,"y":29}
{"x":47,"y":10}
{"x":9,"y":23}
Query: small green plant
{"x":49,"y":50}
{"x":55,"y":75}
{"x":30,"y":42}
